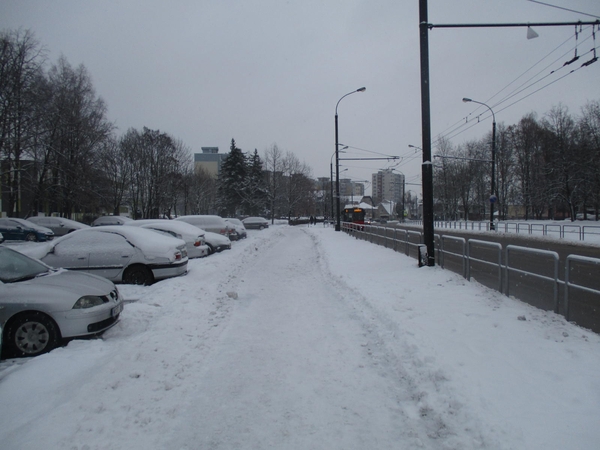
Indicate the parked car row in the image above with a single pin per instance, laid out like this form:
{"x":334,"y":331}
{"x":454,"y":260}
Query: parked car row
{"x":64,"y":288}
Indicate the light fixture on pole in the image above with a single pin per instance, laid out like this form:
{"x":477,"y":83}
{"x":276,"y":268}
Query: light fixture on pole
{"x":337,"y":160}
{"x":493,"y":197}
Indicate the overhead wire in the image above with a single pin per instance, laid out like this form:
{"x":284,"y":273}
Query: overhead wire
{"x":456,"y":130}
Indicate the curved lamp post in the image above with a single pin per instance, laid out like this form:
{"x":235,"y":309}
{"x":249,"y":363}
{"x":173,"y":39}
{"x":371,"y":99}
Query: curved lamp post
{"x":493,"y":197}
{"x":337,"y":160}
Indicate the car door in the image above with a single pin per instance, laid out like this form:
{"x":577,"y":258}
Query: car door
{"x":111,"y":256}
{"x":72,"y":253}
{"x":12,"y":231}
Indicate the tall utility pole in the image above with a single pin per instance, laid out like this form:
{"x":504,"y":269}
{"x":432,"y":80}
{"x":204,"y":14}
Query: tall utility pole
{"x":427,"y":168}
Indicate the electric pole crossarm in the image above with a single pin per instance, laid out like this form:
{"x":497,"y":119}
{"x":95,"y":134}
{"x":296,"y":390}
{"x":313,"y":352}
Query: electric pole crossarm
{"x":510,"y":25}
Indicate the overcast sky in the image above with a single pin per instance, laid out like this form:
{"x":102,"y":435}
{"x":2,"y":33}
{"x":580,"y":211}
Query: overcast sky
{"x":272,"y":71}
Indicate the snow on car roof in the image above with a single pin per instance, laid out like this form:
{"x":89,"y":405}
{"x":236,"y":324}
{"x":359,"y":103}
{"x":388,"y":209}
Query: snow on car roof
{"x":172,"y":225}
{"x":147,"y":240}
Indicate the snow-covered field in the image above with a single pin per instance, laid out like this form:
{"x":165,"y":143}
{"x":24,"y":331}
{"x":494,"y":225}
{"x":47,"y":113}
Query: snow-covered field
{"x":304,"y":338}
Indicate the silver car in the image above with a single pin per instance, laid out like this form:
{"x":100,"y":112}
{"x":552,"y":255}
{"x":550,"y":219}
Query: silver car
{"x":240,"y":229}
{"x":214,"y":224}
{"x":256,"y":223}
{"x":40,"y":306}
{"x":59,"y":225}
{"x":122,"y":254}
{"x":111,"y":220}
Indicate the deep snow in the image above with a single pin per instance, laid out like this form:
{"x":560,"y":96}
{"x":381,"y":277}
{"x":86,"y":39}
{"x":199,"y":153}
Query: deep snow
{"x":304,"y":338}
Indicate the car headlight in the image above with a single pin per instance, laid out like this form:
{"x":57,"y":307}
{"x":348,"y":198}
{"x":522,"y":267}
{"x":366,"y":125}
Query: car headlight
{"x":88,"y":301}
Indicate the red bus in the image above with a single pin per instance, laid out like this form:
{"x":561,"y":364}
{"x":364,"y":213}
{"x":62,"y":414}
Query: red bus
{"x":354,"y":215}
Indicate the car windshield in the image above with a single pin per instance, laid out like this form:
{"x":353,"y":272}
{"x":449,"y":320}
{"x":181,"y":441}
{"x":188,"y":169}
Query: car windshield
{"x":15,"y":266}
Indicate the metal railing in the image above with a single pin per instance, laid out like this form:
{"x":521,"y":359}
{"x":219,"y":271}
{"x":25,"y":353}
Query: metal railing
{"x":570,"y":285}
{"x":579,"y":231}
{"x":409,"y":241}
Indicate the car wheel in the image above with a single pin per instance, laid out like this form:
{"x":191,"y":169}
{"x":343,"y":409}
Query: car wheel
{"x":262,"y":227}
{"x":138,"y":274}
{"x":211,"y":249}
{"x":31,"y":237}
{"x":31,"y":334}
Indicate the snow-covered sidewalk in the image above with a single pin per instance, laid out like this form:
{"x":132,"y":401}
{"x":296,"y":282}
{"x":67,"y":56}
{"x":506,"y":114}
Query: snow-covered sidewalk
{"x":304,"y":338}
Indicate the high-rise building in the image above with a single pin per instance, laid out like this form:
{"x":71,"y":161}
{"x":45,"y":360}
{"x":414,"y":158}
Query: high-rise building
{"x":387,"y":185}
{"x":209,"y":160}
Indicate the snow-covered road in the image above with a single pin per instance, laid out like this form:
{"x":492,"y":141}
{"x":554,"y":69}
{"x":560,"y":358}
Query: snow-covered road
{"x":288,"y":372}
{"x":303,"y":338}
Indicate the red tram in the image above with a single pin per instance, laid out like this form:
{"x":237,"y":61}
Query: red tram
{"x":353,"y":215}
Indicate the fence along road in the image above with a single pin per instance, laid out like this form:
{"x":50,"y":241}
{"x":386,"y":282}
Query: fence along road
{"x":535,"y":272}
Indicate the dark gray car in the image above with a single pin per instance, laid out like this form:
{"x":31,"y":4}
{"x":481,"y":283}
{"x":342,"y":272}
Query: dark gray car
{"x":59,"y":225}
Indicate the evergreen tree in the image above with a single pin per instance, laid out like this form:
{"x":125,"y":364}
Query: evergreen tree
{"x":254,"y":192}
{"x":232,"y":182}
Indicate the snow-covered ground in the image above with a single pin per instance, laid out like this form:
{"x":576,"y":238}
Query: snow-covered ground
{"x":304,"y":338}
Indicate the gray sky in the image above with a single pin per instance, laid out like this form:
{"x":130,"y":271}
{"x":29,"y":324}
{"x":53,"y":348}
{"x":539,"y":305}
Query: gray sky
{"x":272,"y":71}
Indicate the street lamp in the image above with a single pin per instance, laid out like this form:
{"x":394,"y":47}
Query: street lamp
{"x":493,"y":197}
{"x":337,"y":160}
{"x":415,"y":147}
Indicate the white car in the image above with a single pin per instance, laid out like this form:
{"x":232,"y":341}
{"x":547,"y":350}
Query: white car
{"x":122,"y":254}
{"x":193,"y":236}
{"x":41,"y":306}
{"x":59,"y":225}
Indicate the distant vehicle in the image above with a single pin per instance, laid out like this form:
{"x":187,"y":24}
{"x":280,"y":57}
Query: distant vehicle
{"x":14,"y":229}
{"x":353,"y":215}
{"x":111,"y":220}
{"x":41,"y":306}
{"x":59,"y":225}
{"x":255,"y":223}
{"x":240,"y":229}
{"x":193,"y":236}
{"x":217,"y":242}
{"x":214,"y":224}
{"x":123,"y":254}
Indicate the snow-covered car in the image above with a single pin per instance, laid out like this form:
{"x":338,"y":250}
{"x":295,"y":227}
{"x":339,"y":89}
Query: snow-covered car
{"x":214,"y":224}
{"x":123,"y":254}
{"x":111,"y":220}
{"x":217,"y":242}
{"x":14,"y":229}
{"x":193,"y":236}
{"x":240,"y":229}
{"x":41,"y":306}
{"x":255,"y":223}
{"x":59,"y":225}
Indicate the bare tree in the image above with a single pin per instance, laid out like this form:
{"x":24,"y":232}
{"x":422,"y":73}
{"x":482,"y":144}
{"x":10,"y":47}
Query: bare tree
{"x":589,"y":146}
{"x":116,"y":174}
{"x":563,"y":164}
{"x":21,"y":60}
{"x":274,"y":166}
{"x":299,"y":187}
